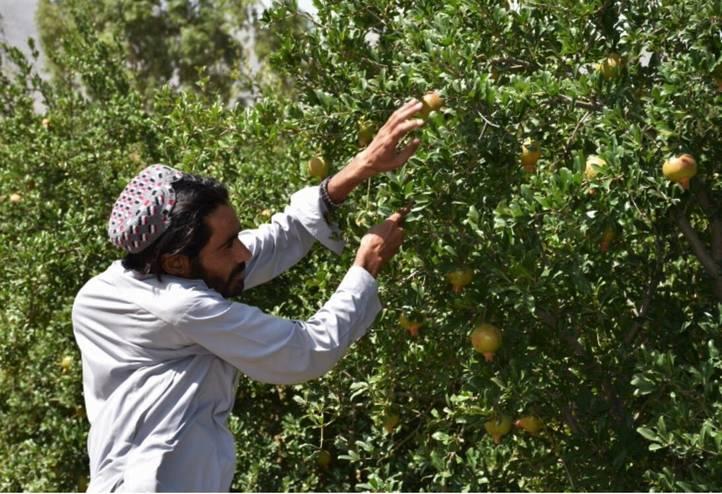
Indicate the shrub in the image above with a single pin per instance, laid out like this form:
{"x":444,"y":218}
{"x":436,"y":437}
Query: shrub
{"x":606,"y":289}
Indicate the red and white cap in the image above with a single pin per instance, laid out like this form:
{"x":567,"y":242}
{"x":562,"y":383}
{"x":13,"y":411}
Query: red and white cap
{"x":142,"y":211}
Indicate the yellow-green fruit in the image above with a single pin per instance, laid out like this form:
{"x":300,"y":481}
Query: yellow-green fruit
{"x":680,"y":169}
{"x":459,"y":278}
{"x":391,"y":420}
{"x":594,"y":163}
{"x":611,"y":66}
{"x":15,"y":198}
{"x":410,"y":325}
{"x":530,"y":154}
{"x":530,"y":424}
{"x":66,"y":362}
{"x":498,"y":427}
{"x":365,"y":133}
{"x":324,"y":458}
{"x":317,"y":167}
{"x":432,"y":102}
{"x":486,"y":339}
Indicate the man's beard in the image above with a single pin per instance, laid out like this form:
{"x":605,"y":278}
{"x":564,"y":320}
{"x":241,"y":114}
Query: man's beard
{"x":231,"y":287}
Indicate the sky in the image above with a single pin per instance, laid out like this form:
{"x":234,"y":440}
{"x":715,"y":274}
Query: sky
{"x":18,"y":22}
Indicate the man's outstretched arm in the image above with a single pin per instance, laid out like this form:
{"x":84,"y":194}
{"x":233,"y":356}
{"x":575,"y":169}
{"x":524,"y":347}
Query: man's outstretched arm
{"x":277,"y":246}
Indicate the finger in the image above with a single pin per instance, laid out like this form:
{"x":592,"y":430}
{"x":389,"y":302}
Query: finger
{"x":399,"y":216}
{"x":406,"y":126}
{"x":406,"y":111}
{"x":405,"y":154}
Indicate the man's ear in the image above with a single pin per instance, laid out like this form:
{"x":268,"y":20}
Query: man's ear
{"x":176,"y":265}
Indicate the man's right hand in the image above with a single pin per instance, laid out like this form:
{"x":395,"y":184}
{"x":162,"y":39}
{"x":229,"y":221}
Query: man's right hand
{"x":381,"y":243}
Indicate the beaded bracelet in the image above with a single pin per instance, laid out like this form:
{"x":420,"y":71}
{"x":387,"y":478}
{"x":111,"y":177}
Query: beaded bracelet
{"x":330,"y":205}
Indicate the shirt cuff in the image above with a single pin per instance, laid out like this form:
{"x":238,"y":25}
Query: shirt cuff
{"x":360,"y":281}
{"x":307,"y":206}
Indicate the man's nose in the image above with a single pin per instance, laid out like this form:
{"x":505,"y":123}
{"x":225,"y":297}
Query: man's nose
{"x":242,"y":254}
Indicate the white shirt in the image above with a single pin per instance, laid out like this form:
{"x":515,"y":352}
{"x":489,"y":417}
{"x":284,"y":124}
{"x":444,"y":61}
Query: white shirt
{"x":161,"y":359}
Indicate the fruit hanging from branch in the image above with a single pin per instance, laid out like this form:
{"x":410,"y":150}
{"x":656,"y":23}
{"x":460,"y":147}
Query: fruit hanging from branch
{"x":365,"y":133}
{"x":486,"y":339}
{"x":608,"y":236}
{"x":459,"y":277}
{"x":317,"y":167}
{"x":680,"y":169}
{"x":391,"y":421}
{"x":324,"y":459}
{"x":611,"y":66}
{"x":530,"y":154}
{"x":498,"y":427}
{"x":593,"y":166}
{"x":530,"y":424}
{"x":411,"y":325}
{"x":432,"y":102}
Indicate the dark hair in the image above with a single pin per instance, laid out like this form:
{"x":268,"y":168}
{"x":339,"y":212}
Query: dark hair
{"x":196,"y":198}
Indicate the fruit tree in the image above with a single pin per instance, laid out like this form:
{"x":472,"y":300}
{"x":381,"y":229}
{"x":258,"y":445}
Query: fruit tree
{"x":605,"y":285}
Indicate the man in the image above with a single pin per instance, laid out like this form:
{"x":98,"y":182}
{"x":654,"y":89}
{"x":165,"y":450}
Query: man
{"x":163,"y":347}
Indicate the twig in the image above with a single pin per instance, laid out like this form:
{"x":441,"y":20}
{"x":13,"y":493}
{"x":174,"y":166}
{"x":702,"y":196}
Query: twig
{"x":701,"y":192}
{"x":488,"y":121}
{"x":699,"y":250}
{"x":576,"y":129}
{"x":697,"y":246}
{"x":587,"y":105}
{"x":649,"y":294}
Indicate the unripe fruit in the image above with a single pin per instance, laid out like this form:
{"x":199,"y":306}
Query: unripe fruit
{"x":66,"y":362}
{"x":317,"y":167}
{"x":530,"y":424}
{"x":410,"y":325}
{"x":611,"y":66}
{"x":324,"y":459}
{"x":459,"y":278}
{"x":680,"y":169}
{"x":608,"y":237}
{"x":365,"y":133}
{"x":594,"y":163}
{"x":486,"y":339}
{"x":530,"y":154}
{"x":432,"y":102}
{"x":498,"y":427}
{"x":15,"y":198}
{"x":391,"y":420}
{"x":45,"y":123}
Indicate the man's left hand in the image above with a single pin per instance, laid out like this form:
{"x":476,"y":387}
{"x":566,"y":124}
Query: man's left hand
{"x":383,"y":154}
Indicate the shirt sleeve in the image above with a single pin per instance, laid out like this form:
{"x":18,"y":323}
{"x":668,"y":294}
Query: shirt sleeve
{"x":283,"y":351}
{"x":280,"y":244}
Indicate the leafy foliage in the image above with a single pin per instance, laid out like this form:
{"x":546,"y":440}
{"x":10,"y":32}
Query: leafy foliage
{"x":177,"y":42}
{"x":616,"y":349}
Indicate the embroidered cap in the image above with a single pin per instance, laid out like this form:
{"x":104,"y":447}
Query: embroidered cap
{"x":141,"y":213}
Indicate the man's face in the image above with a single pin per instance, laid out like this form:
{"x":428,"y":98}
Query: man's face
{"x":222,"y":261}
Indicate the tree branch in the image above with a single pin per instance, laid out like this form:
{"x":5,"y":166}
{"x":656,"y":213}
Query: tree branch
{"x":702,"y":193}
{"x":699,"y":250}
{"x":698,"y":247}
{"x":651,"y":291}
{"x":616,"y":405}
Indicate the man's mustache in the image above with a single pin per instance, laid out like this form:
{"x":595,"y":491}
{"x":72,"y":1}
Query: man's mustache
{"x":238,"y":270}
